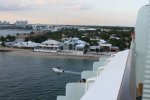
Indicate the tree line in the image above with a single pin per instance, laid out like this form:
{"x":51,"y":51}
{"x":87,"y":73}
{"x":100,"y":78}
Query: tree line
{"x":8,"y":38}
{"x":91,"y":37}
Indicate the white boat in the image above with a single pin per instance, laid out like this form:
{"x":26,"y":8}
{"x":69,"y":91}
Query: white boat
{"x":57,"y":70}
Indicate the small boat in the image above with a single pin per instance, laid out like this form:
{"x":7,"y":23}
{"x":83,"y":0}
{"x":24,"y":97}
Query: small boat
{"x":57,"y":69}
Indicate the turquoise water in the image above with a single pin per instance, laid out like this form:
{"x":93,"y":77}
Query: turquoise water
{"x":31,"y":78}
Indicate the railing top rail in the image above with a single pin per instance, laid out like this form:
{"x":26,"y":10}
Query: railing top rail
{"x":108,"y":84}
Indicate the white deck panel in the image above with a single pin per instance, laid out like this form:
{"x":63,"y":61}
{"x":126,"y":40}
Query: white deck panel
{"x":107,"y":85}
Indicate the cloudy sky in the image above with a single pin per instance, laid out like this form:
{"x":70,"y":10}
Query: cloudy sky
{"x":85,"y":12}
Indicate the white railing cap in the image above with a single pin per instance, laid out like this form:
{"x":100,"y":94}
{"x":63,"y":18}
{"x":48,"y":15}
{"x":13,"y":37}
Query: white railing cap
{"x":107,"y":85}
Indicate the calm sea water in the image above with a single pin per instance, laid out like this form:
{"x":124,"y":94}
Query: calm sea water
{"x":31,"y":78}
{"x":13,"y":32}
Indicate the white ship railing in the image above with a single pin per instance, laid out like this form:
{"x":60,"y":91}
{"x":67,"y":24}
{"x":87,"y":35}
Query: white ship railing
{"x":74,"y":91}
{"x":116,"y":81}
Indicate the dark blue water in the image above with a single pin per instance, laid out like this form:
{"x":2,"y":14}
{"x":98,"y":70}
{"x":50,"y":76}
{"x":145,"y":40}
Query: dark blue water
{"x":31,"y":78}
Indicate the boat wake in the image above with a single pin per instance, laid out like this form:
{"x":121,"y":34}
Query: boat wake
{"x":72,"y":72}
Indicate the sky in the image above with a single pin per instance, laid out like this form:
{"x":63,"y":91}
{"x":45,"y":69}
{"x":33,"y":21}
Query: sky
{"x":72,"y":12}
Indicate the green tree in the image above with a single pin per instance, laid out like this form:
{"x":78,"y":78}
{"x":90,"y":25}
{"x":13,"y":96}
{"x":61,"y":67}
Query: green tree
{"x":38,"y":38}
{"x":119,"y":43}
{"x":86,"y":48}
{"x":86,"y":39}
{"x":3,"y":39}
{"x":27,"y":39}
{"x":10,"y":38}
{"x":104,"y":36}
{"x":94,"y":43}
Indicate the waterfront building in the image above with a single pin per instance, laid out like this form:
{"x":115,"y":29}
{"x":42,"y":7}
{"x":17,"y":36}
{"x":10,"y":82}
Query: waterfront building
{"x":73,"y":44}
{"x":103,"y":46}
{"x":114,"y":49}
{"x":94,"y":48}
{"x":25,"y":45}
{"x":10,"y":44}
{"x":48,"y":46}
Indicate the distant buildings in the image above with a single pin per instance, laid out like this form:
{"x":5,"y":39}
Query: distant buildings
{"x":86,"y":29}
{"x":105,"y":30}
{"x":16,"y":25}
{"x":21,"y":23}
{"x":4,"y":23}
{"x":67,"y":45}
{"x":113,"y":36}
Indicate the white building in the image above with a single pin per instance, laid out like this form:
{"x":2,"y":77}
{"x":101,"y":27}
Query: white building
{"x":27,"y":45}
{"x":21,"y":23}
{"x":4,"y":23}
{"x":103,"y":46}
{"x":101,"y":41}
{"x":48,"y":46}
{"x":40,"y":27}
{"x":94,"y":48}
{"x":86,"y":29}
{"x":73,"y":44}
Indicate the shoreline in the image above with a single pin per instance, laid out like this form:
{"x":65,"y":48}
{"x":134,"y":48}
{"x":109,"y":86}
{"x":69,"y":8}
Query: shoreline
{"x":27,"y":52}
{"x":55,"y":55}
